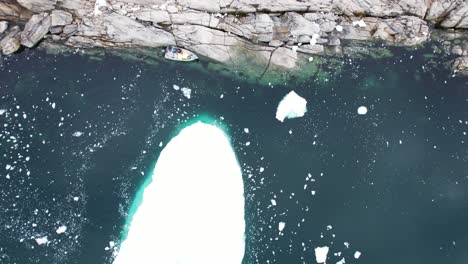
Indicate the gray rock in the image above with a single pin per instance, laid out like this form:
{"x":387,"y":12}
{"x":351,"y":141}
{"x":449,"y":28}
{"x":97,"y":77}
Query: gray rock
{"x":264,"y":27}
{"x":334,"y":41}
{"x":304,"y":39}
{"x":155,"y":16}
{"x":311,"y":49}
{"x":3,"y":26}
{"x":460,"y":65}
{"x":56,"y":30}
{"x":298,"y":25}
{"x":69,"y":29}
{"x":60,"y":18}
{"x":457,"y":18}
{"x":36,"y":28}
{"x":39,"y":5}
{"x":204,"y":5}
{"x":275,"y":43}
{"x":284,"y":58}
{"x":10,"y":43}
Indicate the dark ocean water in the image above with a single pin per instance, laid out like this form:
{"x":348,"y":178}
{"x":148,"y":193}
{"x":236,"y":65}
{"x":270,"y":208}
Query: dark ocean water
{"x":78,"y":136}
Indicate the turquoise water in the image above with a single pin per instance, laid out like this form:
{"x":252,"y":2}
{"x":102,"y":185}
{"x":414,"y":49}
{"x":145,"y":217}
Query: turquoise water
{"x":80,"y":136}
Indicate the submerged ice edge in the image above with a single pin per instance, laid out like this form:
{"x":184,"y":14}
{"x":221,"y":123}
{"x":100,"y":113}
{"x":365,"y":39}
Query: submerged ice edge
{"x":193,"y":210}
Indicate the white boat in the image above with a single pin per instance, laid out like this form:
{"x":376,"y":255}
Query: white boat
{"x":179,"y":54}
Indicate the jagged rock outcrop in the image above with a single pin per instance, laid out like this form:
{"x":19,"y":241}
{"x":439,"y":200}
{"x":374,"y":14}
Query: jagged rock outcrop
{"x":218,"y":29}
{"x":36,"y":28}
{"x":3,"y":26}
{"x":11,"y":42}
{"x":460,"y":65}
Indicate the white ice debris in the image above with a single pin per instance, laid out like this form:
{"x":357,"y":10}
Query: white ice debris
{"x":362,"y":110}
{"x":360,"y":23}
{"x":41,"y":240}
{"x":346,"y":244}
{"x":357,"y":254}
{"x":98,"y":4}
{"x":176,"y":87}
{"x":77,"y":134}
{"x":53,"y":105}
{"x":187,"y":92}
{"x":281,"y":226}
{"x":342,"y":261}
{"x":321,"y":254}
{"x":339,"y":28}
{"x":76,"y":198}
{"x":178,"y":221}
{"x":273,"y":202}
{"x":311,"y":59}
{"x":294,"y":48}
{"x":314,"y":39}
{"x":291,"y":106}
{"x":246,"y":130}
{"x":61,"y":230}
{"x":2,"y":111}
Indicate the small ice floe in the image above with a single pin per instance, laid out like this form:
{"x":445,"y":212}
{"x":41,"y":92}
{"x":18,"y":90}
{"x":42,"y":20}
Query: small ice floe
{"x":76,"y":198}
{"x":176,"y":87}
{"x":321,"y":254}
{"x":97,"y":5}
{"x":281,"y":226}
{"x":42,"y":240}
{"x":362,"y":110}
{"x":357,"y":254}
{"x":187,"y":92}
{"x":346,"y":244}
{"x":77,"y":134}
{"x":342,"y":261}
{"x":339,"y":28}
{"x":273,"y":202}
{"x":53,"y":105}
{"x":311,"y":59}
{"x":360,"y":23}
{"x":314,"y":39}
{"x":61,"y":230}
{"x":246,"y":130}
{"x":291,"y":106}
{"x":2,"y":111}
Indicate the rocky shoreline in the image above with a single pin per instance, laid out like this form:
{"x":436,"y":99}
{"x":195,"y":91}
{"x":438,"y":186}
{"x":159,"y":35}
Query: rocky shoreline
{"x":274,"y":34}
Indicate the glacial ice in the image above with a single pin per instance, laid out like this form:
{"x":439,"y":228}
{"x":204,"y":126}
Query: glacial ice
{"x":321,"y":254}
{"x":291,"y":106}
{"x":193,"y":210}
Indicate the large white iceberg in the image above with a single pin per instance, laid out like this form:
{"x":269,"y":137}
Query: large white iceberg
{"x":292,"y":106}
{"x":193,"y":210}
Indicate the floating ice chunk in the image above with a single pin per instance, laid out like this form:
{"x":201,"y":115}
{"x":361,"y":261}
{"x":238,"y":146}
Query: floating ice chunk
{"x":2,"y":111}
{"x":246,"y":130}
{"x":339,"y":28}
{"x":247,"y":143}
{"x":187,"y":92}
{"x":281,"y":226}
{"x":291,"y":106}
{"x":362,"y":110}
{"x":192,"y":213}
{"x":8,"y":167}
{"x":76,"y":198}
{"x":97,"y":5}
{"x":321,"y":254}
{"x":77,"y":134}
{"x":53,"y":105}
{"x":61,"y":230}
{"x":342,"y":261}
{"x":314,"y":39}
{"x":329,"y":227}
{"x":311,"y":59}
{"x":176,"y":87}
{"x":41,"y":240}
{"x":273,"y":202}
{"x":346,"y":244}
{"x":357,"y":254}
{"x":360,"y":23}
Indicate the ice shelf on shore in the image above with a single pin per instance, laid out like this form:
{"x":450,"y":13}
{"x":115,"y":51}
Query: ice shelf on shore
{"x":193,"y":210}
{"x":291,"y":106}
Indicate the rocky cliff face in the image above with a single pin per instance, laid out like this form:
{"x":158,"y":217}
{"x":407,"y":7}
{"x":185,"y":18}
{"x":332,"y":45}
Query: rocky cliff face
{"x":277,"y":33}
